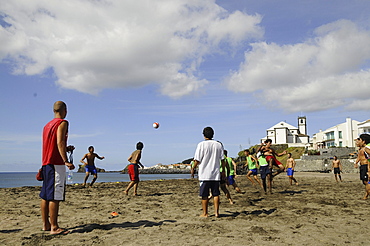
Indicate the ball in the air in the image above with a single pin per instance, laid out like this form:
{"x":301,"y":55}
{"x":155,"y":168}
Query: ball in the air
{"x":155,"y":125}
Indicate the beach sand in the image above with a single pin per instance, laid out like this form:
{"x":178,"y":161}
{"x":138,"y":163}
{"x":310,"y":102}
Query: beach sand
{"x":317,"y":212}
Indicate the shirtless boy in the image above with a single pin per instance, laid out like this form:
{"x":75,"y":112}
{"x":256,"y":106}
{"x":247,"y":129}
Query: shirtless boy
{"x":133,"y":168}
{"x":337,"y":167}
{"x":289,"y":167}
{"x":252,"y":164}
{"x":270,"y":155}
{"x":361,"y":142}
{"x":90,"y":165}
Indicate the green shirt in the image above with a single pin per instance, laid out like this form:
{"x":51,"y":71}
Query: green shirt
{"x":229,"y":161}
{"x":251,"y":163}
{"x":262,"y":161}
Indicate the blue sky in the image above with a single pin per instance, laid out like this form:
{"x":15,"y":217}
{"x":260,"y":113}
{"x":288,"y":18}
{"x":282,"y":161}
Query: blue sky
{"x":238,"y":66}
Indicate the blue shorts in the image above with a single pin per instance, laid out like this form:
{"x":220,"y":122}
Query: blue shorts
{"x":209,"y":186}
{"x":289,"y":172}
{"x":254,"y":171}
{"x":91,"y":169}
{"x":264,"y":170}
{"x":231,"y":180}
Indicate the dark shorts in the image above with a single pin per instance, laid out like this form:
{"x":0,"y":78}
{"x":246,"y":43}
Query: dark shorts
{"x":264,"y":170}
{"x":254,"y":171}
{"x":336,"y":170}
{"x":363,"y":173}
{"x":133,"y":172}
{"x":91,"y":169}
{"x":231,"y":180}
{"x":207,"y":187}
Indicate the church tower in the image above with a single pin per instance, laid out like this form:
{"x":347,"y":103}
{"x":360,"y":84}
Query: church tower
{"x":302,"y":126}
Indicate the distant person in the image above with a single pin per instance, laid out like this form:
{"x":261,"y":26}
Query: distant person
{"x":208,"y":156}
{"x":337,"y":168}
{"x":90,"y":165}
{"x":54,"y":162}
{"x":289,"y":167}
{"x":231,"y":175}
{"x":192,"y":174}
{"x":363,"y":158}
{"x":252,"y":164}
{"x":133,"y":168}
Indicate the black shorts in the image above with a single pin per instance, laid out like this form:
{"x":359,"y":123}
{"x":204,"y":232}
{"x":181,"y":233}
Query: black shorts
{"x":336,"y":170}
{"x":207,"y":187}
{"x":264,"y":170}
{"x":363,"y":173}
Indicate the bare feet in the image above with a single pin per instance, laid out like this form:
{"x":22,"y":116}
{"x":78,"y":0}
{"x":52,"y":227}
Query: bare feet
{"x":231,"y":201}
{"x":46,"y":227}
{"x":125,"y":192}
{"x":203,"y":215}
{"x":217,"y":215}
{"x":59,"y":231}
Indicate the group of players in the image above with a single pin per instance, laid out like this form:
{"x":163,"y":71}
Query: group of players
{"x":214,"y":167}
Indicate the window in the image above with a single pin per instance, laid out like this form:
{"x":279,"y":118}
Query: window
{"x":340,"y":135}
{"x":329,"y":135}
{"x":340,"y":144}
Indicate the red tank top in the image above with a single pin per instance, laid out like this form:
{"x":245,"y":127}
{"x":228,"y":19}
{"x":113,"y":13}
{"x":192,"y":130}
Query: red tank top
{"x":50,"y":152}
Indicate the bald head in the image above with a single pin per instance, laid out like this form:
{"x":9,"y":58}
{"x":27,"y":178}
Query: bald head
{"x":60,"y":109}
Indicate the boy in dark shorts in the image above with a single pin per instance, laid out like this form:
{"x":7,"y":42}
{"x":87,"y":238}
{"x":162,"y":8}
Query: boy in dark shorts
{"x":133,"y":168}
{"x":208,"y":156}
{"x":337,"y":168}
{"x":90,"y":165}
{"x":363,"y":158}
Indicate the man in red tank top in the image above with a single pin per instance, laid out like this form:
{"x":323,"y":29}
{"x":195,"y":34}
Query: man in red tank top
{"x":54,"y":160}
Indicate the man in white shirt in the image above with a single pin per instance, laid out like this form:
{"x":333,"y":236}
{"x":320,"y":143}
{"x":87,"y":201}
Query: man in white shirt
{"x":208,"y":156}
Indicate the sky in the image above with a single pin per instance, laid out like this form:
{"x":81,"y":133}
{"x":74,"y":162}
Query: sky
{"x":237,"y":66}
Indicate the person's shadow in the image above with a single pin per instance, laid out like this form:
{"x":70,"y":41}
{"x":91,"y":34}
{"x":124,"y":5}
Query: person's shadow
{"x":132,"y":225}
{"x":254,"y":212}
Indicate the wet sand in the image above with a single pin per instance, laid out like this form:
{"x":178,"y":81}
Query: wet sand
{"x":317,"y":212}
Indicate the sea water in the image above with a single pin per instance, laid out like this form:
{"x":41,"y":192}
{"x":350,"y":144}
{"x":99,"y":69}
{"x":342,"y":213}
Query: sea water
{"x":19,"y":179}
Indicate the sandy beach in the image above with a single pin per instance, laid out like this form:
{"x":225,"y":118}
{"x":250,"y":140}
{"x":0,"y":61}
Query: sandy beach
{"x":317,"y":212}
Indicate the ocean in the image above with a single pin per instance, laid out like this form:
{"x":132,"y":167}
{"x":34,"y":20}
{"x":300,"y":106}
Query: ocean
{"x":19,"y":179}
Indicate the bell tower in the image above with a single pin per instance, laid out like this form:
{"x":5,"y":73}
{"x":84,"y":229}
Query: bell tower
{"x":302,"y":126}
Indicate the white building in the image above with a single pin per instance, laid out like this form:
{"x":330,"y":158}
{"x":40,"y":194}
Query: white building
{"x":341,"y":135}
{"x":364,"y":127}
{"x":284,"y":133}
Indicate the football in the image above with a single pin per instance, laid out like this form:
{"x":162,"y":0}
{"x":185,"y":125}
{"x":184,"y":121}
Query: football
{"x":155,"y":125}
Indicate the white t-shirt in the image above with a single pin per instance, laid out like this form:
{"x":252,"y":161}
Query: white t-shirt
{"x":209,"y":153}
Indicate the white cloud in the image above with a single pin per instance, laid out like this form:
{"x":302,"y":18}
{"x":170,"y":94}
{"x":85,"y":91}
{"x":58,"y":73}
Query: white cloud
{"x":324,"y":72}
{"x":92,"y":45}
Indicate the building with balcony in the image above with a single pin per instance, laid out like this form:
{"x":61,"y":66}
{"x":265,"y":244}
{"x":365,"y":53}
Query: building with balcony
{"x":364,"y":127}
{"x":341,"y":135}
